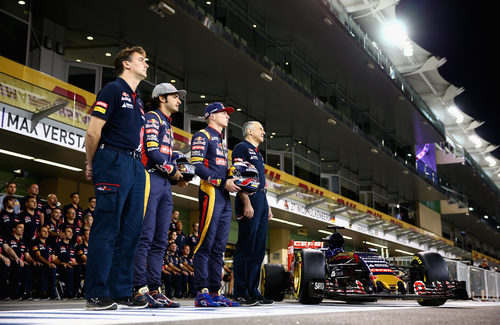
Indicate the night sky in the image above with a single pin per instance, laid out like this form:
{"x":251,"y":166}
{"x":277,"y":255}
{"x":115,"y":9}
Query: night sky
{"x":465,"y":33}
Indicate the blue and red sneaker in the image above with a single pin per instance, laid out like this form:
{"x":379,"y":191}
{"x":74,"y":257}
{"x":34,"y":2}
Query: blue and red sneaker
{"x":223,"y":301}
{"x":160,"y":297}
{"x":203,"y":299}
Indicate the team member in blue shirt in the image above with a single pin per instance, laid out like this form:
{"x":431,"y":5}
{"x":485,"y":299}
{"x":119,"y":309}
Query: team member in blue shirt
{"x":209,"y":155}
{"x":113,"y":150}
{"x":157,"y":157}
{"x":253,"y":213}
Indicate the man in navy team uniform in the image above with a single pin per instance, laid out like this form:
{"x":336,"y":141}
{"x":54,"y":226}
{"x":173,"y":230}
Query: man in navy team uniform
{"x":51,"y":204}
{"x":53,"y":225}
{"x":253,"y":213}
{"x":11,"y":191}
{"x":113,"y":151}
{"x":75,"y":199}
{"x":193,"y":238}
{"x":172,"y":272}
{"x":187,"y":275}
{"x":31,"y":217}
{"x":90,"y":210}
{"x":64,"y":258}
{"x":81,"y":258}
{"x":7,"y":216}
{"x":33,"y":191}
{"x":209,"y":155}
{"x":5,"y":251}
{"x":45,"y":270}
{"x":70,"y":221}
{"x":20,"y":273}
{"x":158,"y":146}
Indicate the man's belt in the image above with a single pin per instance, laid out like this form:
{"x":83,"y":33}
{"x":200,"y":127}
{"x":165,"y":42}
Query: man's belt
{"x":132,"y":153}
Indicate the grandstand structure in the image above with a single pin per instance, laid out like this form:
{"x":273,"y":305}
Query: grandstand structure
{"x":360,"y":133}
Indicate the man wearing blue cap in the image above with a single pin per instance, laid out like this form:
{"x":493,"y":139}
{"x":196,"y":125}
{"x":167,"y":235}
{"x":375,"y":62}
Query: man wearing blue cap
{"x":157,"y":157}
{"x":209,"y":155}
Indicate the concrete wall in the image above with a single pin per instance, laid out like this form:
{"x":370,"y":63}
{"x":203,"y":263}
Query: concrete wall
{"x":429,"y":219}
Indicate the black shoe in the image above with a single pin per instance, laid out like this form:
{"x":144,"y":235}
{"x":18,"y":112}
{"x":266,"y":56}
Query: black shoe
{"x":131,"y":302}
{"x":246,"y":301}
{"x":264,"y":301}
{"x":100,"y":304}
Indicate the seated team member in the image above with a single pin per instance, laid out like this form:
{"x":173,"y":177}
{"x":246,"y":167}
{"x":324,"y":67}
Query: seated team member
{"x":181,"y":239}
{"x":81,"y":258}
{"x":87,"y":222}
{"x":91,"y":208}
{"x":31,"y":217}
{"x":45,"y":271}
{"x":11,"y":191}
{"x":70,"y":221}
{"x":64,"y":258}
{"x":193,"y":237}
{"x":172,"y":272}
{"x":187,"y":275}
{"x":20,"y":275}
{"x":51,"y":204}
{"x":4,"y":268}
{"x":53,"y":224}
{"x":228,"y":276}
{"x":75,"y":199}
{"x":7,"y":216}
{"x":33,"y":191}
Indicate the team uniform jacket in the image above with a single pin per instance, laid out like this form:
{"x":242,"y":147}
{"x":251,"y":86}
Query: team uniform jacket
{"x":158,"y":144}
{"x":209,"y":155}
{"x":44,"y":248}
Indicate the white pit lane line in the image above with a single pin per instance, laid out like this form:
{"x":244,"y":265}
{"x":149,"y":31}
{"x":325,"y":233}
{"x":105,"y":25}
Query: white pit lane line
{"x":81,"y":316}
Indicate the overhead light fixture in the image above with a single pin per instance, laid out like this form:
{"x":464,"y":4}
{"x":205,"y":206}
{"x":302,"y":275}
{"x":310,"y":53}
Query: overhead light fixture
{"x":165,"y":8}
{"x":328,"y":21}
{"x":271,"y":137}
{"x":331,"y":121}
{"x":266,"y":77}
{"x":486,"y":217}
{"x":238,"y":109}
{"x":374,"y":244}
{"x":370,"y":66}
{"x":491,"y":161}
{"x":187,"y":197}
{"x":78,"y":60}
{"x":43,"y":161}
{"x":274,"y":133}
{"x":471,"y":209}
{"x":254,"y":26}
{"x":208,"y":3}
{"x":475,"y":139}
{"x":90,"y":38}
{"x":21,"y":2}
{"x":107,"y":54}
{"x":172,"y":81}
{"x":300,"y":142}
{"x":202,"y":96}
{"x":341,"y":209}
{"x":405,"y":171}
{"x":404,"y":252}
{"x":395,"y":32}
{"x":373,"y":150}
{"x":286,"y":222}
{"x":329,"y":233}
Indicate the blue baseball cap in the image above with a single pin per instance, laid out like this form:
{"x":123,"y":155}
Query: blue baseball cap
{"x":216,"y":108}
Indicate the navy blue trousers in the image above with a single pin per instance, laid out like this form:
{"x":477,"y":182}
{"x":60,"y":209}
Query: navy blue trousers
{"x":251,"y":246}
{"x":215,"y":223}
{"x":121,"y":189}
{"x":152,"y":243}
{"x":46,"y":277}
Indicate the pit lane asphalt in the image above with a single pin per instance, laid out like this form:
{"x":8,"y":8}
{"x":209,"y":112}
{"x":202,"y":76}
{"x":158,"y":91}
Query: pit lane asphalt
{"x":289,"y":312}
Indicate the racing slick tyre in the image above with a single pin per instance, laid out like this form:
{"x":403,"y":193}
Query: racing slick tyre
{"x":273,"y":281}
{"x":428,"y":267}
{"x":309,"y":265}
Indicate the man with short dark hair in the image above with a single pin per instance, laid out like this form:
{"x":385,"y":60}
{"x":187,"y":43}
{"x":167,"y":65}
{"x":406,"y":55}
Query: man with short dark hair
{"x":53,"y":224}
{"x":10,"y":191}
{"x":31,"y":218}
{"x":75,"y":199}
{"x":91,"y":208}
{"x":64,"y":257}
{"x":20,"y":275}
{"x":113,"y":150}
{"x":193,"y":237}
{"x":45,"y":270}
{"x":7,"y":216}
{"x":33,"y":191}
{"x":81,"y":258}
{"x":70,"y":221}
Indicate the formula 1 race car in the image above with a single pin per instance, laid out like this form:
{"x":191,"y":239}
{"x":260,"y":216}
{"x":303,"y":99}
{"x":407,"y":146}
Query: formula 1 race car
{"x":316,"y":272}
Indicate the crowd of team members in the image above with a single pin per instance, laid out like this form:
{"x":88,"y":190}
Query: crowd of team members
{"x":43,"y":248}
